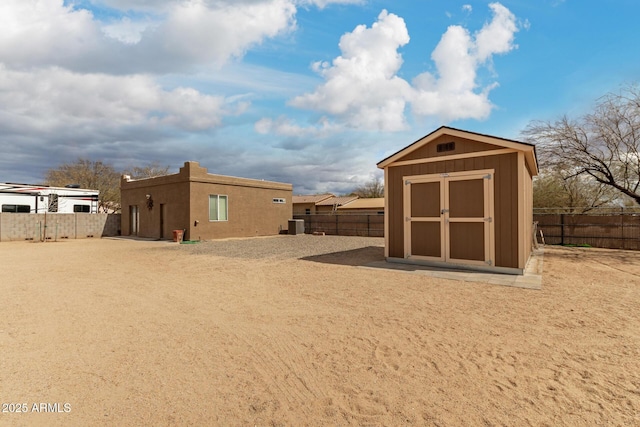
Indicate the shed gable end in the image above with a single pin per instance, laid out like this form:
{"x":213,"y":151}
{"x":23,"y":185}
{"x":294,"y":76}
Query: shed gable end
{"x":447,"y":145}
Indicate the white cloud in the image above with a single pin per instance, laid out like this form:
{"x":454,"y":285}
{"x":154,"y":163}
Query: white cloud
{"x":182,"y":34}
{"x":362,"y":88}
{"x":39,"y":32}
{"x":52,"y":99}
{"x":453,"y":93}
{"x":285,"y":127}
{"x":156,"y":6}
{"x":467,"y":8}
{"x":321,"y":4}
{"x":201,"y":32}
{"x":127,"y":31}
{"x":496,"y":37}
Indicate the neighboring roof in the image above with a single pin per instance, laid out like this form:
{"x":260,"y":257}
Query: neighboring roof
{"x":337,"y":201}
{"x":529,"y":149}
{"x":313,"y":198}
{"x":369,"y":203}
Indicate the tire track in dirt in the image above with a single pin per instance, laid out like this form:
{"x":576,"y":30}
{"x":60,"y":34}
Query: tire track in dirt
{"x":280,"y":366}
{"x":272,"y":357}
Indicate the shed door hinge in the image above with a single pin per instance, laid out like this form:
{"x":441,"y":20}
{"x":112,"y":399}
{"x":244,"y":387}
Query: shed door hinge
{"x":407,"y":182}
{"x":407,"y":219}
{"x":489,"y":262}
{"x":444,"y":175}
{"x":488,"y":219}
{"x":487,"y":176}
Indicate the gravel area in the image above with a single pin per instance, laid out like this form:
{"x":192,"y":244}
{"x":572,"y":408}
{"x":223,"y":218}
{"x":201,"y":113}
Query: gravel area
{"x":281,"y":247}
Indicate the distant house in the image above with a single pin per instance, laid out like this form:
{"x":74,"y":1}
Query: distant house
{"x":331,"y":205}
{"x":205,"y":205}
{"x":305,"y":205}
{"x":364,"y":206}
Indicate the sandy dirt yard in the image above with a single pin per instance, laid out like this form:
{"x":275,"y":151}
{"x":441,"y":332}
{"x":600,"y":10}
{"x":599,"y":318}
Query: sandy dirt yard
{"x":293,"y":331}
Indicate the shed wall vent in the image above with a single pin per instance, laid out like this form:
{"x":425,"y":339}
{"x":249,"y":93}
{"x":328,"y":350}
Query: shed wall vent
{"x":447,"y":146}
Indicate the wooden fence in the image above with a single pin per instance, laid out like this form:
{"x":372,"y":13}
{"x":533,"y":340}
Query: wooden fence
{"x":368,"y":225}
{"x":614,"y":231}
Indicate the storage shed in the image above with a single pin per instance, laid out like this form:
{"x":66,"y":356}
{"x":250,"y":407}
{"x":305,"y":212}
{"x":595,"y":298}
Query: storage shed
{"x":459,"y":198}
{"x":205,"y":205}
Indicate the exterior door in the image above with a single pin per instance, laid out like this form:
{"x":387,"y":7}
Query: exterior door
{"x":163,"y":212}
{"x":424,"y":222}
{"x":134,"y":220}
{"x":449,"y":217}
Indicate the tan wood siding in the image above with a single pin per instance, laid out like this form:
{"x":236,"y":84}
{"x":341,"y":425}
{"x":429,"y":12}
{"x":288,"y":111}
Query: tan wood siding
{"x":507,"y":211}
{"x":506,"y":193}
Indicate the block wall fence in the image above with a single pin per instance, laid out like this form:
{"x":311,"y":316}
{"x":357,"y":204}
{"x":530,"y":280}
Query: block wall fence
{"x":20,"y":227}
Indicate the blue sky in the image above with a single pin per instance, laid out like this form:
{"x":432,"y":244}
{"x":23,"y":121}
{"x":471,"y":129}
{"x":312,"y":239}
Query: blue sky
{"x":310,"y":92}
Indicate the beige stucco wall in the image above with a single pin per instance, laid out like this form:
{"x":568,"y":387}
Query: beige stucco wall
{"x":301,"y":208}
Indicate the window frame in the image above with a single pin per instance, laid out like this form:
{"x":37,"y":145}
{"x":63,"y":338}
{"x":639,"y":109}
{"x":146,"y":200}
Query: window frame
{"x":226,"y":213}
{"x":16,"y":208}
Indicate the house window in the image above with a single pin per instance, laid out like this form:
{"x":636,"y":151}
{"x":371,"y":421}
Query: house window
{"x":217,"y":208}
{"x":81,"y":208}
{"x":307,"y":211}
{"x":16,"y":208}
{"x":279,"y":200}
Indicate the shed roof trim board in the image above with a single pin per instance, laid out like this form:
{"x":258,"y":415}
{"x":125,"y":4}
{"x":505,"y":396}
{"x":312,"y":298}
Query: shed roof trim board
{"x":528,"y":149}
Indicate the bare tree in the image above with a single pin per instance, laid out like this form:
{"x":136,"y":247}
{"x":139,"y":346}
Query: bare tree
{"x":94,"y":175}
{"x":371,"y":189}
{"x":150,"y":171}
{"x":574,"y":194}
{"x":603,"y":145}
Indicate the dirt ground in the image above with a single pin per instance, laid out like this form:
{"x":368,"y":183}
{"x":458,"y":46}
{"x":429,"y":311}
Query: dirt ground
{"x":297,"y":332}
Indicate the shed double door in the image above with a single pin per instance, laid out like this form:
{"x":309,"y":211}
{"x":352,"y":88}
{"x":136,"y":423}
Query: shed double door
{"x":449,"y":217}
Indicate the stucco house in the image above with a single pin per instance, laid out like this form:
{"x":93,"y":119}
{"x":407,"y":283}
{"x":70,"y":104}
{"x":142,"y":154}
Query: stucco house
{"x":206,"y":206}
{"x":306,"y":204}
{"x":331,"y":205}
{"x":364,"y":206}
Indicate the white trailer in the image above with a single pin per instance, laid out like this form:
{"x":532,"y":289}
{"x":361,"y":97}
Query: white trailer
{"x":23,"y":198}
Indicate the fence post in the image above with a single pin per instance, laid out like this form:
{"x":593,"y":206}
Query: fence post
{"x":337,"y":233}
{"x":624,"y":242}
{"x":368,"y":225}
{"x":561,"y":229}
